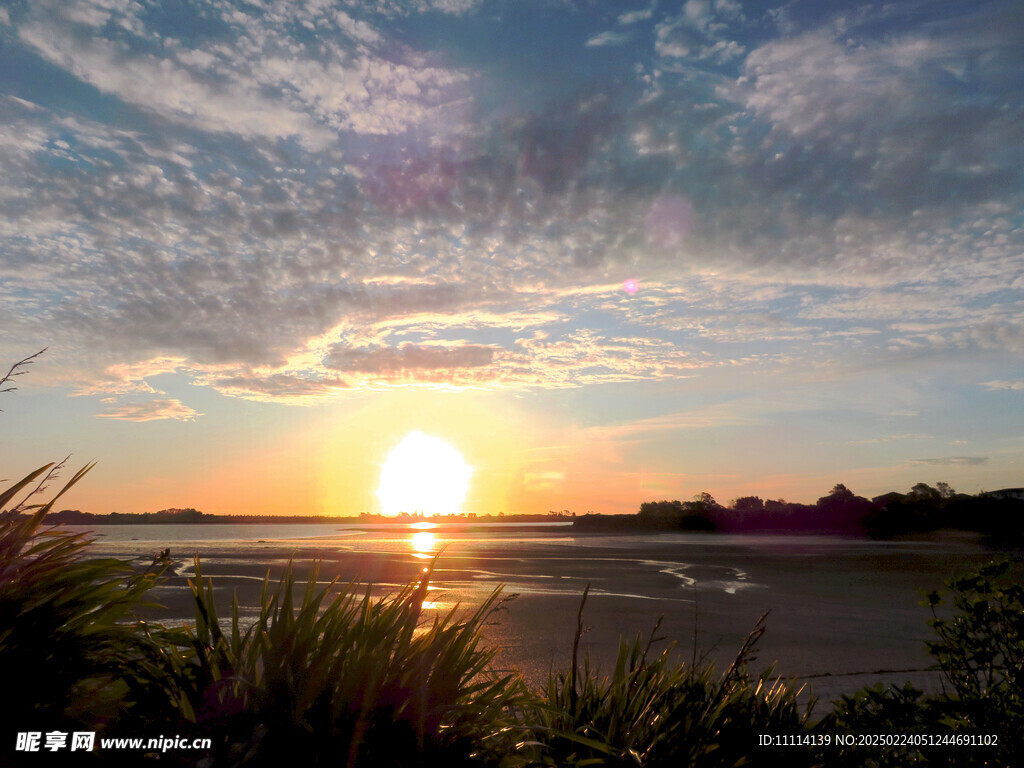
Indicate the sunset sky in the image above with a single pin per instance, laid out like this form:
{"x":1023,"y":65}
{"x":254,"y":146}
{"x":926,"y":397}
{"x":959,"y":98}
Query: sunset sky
{"x":264,"y":241}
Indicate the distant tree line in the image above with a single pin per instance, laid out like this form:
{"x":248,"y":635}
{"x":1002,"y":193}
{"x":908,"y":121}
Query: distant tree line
{"x":922,"y":508}
{"x":193,"y":516}
{"x":174,"y":515}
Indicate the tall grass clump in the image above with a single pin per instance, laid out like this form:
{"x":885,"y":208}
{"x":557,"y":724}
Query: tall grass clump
{"x":654,"y":710}
{"x":67,"y":643}
{"x":335,"y":677}
{"x":68,"y":638}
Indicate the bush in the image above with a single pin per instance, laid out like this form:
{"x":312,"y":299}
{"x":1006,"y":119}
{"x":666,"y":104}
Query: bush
{"x":878,"y":710}
{"x":979,"y":650}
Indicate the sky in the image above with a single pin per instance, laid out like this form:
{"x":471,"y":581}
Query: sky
{"x":609,"y":251}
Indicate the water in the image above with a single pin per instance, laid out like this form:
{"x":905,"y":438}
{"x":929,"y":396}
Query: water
{"x":840,"y":610}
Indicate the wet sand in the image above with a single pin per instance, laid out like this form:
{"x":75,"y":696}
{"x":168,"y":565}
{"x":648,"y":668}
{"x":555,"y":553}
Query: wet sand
{"x":840,"y":609}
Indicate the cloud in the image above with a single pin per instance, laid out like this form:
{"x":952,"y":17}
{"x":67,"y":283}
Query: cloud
{"x":172,"y":92}
{"x":295,"y":390}
{"x":877,"y":112}
{"x":583,"y":356}
{"x":1004,"y":384}
{"x":699,"y":31}
{"x":124,"y":378}
{"x":545,"y":480}
{"x":816,"y":84}
{"x":736,"y":414}
{"x":286,"y":215}
{"x":367,"y":95}
{"x":387,"y":360}
{"x":256,"y":80}
{"x":1002,"y":334}
{"x":21,"y":135}
{"x":675,"y":42}
{"x":152,"y":410}
{"x":249,"y":267}
{"x":453,"y":7}
{"x":722,"y":51}
{"x":952,"y":460}
{"x":632,"y":17}
{"x":381,"y":356}
{"x":889,"y":439}
{"x":607,"y":38}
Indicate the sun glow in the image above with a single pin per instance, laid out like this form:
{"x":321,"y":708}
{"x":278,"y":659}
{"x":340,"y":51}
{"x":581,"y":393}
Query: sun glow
{"x":423,"y":474}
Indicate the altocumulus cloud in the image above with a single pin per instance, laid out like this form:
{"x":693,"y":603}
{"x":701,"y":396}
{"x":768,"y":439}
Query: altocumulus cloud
{"x":302,"y":199}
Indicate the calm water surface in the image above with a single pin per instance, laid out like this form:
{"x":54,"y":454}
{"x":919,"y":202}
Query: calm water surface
{"x":841,"y":610}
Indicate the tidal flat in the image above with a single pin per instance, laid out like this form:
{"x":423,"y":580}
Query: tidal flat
{"x":843,"y":612}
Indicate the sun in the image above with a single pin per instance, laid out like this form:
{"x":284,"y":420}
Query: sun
{"x":423,"y":474}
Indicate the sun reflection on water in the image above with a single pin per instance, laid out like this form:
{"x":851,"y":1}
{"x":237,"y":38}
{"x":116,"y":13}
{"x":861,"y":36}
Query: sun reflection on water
{"x":424,"y":544}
